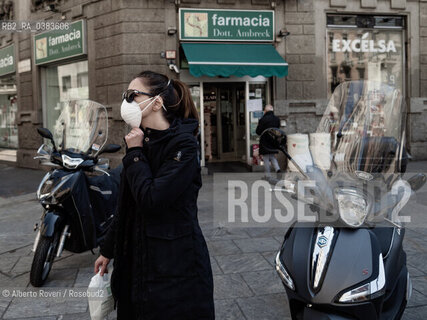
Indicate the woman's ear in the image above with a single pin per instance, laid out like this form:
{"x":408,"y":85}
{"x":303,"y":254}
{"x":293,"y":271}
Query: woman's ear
{"x":157,"y":105}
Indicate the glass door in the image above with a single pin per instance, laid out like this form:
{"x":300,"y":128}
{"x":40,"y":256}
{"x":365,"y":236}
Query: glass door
{"x":224,"y":121}
{"x":240,"y":108}
{"x":210,"y":122}
{"x":258,"y":92}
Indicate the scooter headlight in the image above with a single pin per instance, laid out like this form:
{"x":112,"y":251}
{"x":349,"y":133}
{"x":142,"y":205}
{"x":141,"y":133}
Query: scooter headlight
{"x":71,"y":163}
{"x":352,"y":206}
{"x":367,"y":291}
{"x":284,"y":275}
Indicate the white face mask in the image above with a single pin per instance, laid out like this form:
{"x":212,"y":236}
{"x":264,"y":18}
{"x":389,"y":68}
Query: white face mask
{"x":131,"y":112}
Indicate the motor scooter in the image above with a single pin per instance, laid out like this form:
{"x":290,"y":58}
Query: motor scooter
{"x":78,"y":206}
{"x":349,"y":263}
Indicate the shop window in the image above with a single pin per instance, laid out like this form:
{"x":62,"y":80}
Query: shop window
{"x":375,"y":52}
{"x":341,"y":20}
{"x":8,"y":128}
{"x":8,"y":111}
{"x":63,"y":83}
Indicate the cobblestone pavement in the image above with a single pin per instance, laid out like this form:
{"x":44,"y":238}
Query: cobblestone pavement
{"x":246,"y":286}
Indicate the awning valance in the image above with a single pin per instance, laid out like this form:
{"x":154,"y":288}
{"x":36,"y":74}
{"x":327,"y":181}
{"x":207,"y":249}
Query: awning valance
{"x":222,"y":59}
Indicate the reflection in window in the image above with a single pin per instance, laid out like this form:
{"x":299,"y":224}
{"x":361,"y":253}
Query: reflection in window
{"x":370,"y":54}
{"x":8,"y":111}
{"x":64,"y":83}
{"x":256,"y":91}
{"x":82,"y":80}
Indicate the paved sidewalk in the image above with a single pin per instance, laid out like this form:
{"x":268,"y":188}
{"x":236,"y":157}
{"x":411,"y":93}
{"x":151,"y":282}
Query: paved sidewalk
{"x":246,"y":285}
{"x":18,"y":181}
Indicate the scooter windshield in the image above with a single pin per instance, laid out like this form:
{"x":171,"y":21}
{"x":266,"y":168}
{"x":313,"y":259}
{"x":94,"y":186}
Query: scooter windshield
{"x":362,"y":131}
{"x":357,"y":152}
{"x":82,"y":127}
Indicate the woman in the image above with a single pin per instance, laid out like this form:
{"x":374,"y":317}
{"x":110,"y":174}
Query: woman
{"x":161,"y":262}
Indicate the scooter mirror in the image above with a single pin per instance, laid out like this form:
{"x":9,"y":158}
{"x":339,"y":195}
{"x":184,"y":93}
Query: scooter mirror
{"x":45,"y":133}
{"x":417,"y":181}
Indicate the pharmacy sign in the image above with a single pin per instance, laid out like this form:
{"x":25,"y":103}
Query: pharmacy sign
{"x":226,"y":25}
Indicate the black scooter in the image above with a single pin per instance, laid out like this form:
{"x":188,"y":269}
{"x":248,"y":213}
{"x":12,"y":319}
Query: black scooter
{"x":349,"y":263}
{"x":78,"y":208}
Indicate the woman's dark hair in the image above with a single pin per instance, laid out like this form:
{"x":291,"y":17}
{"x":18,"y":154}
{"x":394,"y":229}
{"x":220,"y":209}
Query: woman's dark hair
{"x":176,"y":96}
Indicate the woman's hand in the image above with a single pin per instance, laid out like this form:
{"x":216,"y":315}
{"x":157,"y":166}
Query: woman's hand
{"x":102,"y":262}
{"x":134,"y":138}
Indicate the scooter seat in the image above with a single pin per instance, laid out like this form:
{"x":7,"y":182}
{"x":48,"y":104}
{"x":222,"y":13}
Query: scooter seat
{"x":385,"y":238}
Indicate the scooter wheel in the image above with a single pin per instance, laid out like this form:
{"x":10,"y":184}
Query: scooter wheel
{"x":43,"y":259}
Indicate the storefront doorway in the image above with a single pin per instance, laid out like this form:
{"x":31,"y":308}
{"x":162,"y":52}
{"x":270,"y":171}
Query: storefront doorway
{"x":227,"y":119}
{"x":224,"y":117}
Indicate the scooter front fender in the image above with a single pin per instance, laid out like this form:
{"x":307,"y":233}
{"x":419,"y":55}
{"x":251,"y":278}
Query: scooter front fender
{"x":353,"y":259}
{"x":50,"y":222}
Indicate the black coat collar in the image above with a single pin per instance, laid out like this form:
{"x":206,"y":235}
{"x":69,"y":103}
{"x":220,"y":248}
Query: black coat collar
{"x":177,"y":126}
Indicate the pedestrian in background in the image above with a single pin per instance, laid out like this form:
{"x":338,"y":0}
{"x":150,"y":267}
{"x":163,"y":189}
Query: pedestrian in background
{"x":266,"y":149}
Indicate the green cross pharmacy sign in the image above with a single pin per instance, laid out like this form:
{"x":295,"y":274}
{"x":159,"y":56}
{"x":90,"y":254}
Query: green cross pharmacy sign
{"x":62,"y":44}
{"x":226,"y":25}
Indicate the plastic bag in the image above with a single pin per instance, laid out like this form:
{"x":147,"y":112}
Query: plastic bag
{"x":101,"y":301}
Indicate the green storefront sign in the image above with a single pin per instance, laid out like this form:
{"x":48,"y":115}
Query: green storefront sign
{"x":57,"y":45}
{"x":7,"y":60}
{"x":226,"y":25}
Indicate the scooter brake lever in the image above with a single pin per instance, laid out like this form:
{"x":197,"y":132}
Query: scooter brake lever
{"x":393,"y":223}
{"x":103,"y":171}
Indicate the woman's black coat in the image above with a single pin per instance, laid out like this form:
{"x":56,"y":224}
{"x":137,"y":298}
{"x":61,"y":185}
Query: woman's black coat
{"x":155,"y":238}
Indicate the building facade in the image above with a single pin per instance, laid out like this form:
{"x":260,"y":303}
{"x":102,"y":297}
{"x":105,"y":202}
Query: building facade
{"x":290,"y":53}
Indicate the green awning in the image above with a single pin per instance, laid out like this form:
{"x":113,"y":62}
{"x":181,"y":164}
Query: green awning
{"x":222,"y":59}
